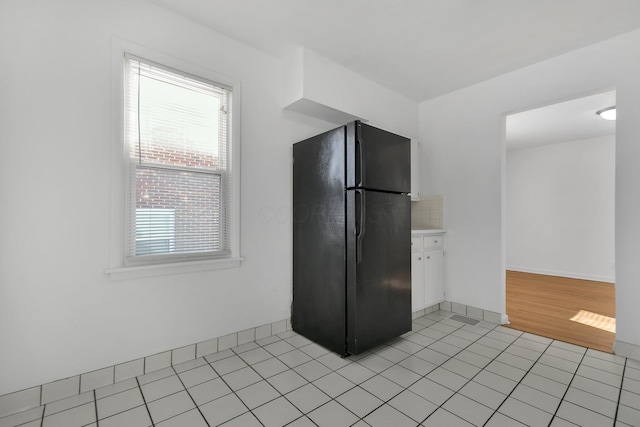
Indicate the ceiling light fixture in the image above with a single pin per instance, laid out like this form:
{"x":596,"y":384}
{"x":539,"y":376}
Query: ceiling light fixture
{"x":608,"y":113}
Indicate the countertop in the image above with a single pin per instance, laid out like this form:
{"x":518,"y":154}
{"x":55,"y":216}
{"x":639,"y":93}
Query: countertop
{"x":429,"y":231}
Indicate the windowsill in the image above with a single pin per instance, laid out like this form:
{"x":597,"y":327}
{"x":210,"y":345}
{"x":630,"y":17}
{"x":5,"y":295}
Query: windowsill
{"x":128,"y":273}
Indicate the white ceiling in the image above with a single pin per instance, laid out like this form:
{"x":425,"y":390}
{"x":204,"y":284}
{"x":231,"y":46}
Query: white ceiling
{"x":419,"y":48}
{"x":426,"y":48}
{"x":571,"y":120}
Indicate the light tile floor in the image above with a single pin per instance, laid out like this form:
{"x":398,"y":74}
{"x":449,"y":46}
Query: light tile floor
{"x":443,"y":373}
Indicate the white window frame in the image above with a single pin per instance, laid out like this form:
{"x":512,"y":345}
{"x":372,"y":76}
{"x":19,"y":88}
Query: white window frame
{"x":119,"y":269}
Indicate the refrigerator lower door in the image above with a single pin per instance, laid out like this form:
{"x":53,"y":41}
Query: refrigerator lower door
{"x":378,"y":268}
{"x":319,"y":295}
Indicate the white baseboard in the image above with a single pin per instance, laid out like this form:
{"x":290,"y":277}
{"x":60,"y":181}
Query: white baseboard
{"x":570,"y":275}
{"x":42,"y":394}
{"x":473,"y":312}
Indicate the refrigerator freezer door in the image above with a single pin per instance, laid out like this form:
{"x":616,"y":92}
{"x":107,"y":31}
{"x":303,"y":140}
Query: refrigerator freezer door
{"x":377,"y":159}
{"x":378,"y":268}
{"x":319,"y":294}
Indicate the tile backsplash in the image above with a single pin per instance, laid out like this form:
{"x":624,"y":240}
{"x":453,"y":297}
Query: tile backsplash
{"x":428,"y":212}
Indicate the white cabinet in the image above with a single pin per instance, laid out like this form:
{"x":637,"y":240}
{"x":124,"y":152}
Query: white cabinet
{"x":433,"y":277}
{"x":427,"y":269}
{"x":415,"y":169}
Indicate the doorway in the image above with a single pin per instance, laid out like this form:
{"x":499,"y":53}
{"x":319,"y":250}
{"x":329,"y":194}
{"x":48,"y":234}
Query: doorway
{"x":559,"y":195}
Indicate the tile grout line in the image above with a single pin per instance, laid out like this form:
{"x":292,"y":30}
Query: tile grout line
{"x":555,"y":414}
{"x":234,"y":352}
{"x":304,"y":415}
{"x":144,"y":400}
{"x":455,"y":392}
{"x":408,"y":356}
{"x":594,"y":380}
{"x":230,"y":388}
{"x":520,"y":382}
{"x":397,"y":363}
{"x":453,"y":356}
{"x":624,"y":370}
{"x":190,"y":397}
{"x":95,"y":401}
{"x":331,"y":399}
{"x":144,"y":359}
{"x":396,"y":360}
{"x":292,"y":368}
{"x":449,"y":357}
{"x":437,"y":366}
{"x":367,"y":391}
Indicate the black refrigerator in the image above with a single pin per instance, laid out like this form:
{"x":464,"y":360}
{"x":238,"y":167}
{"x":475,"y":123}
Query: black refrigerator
{"x":352,"y":238}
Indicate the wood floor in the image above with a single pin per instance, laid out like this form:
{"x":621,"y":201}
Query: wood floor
{"x":576,"y":311}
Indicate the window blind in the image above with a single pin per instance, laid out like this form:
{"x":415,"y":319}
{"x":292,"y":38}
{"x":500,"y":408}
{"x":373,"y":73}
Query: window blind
{"x":177,"y":146}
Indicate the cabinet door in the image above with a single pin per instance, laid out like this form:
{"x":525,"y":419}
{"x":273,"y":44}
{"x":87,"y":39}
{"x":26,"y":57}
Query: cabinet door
{"x":433,"y":277}
{"x":417,"y":281}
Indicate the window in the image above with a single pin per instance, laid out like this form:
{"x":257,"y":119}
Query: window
{"x":177,"y":132}
{"x":155,"y":231}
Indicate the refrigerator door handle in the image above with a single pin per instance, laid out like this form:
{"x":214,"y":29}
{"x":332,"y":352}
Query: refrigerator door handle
{"x":360,"y":145}
{"x":360,"y":225}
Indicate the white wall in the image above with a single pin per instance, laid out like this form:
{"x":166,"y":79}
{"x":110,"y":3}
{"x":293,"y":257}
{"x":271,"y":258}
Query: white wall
{"x":60,"y":315}
{"x":462,"y":136}
{"x":560,"y":202}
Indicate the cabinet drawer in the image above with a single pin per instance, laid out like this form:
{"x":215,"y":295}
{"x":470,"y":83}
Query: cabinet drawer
{"x":431,"y":242}
{"x":416,"y":244}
